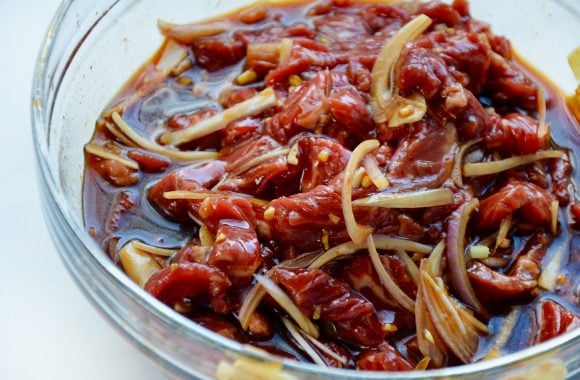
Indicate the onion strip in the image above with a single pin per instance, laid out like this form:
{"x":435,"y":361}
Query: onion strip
{"x":251,"y":302}
{"x":153,"y":250}
{"x":138,"y":265}
{"x":357,"y":232}
{"x":286,"y":303}
{"x":456,"y":254}
{"x":435,"y":259}
{"x":458,"y":165}
{"x":99,"y":151}
{"x":551,"y":271}
{"x":494,"y":167}
{"x":543,"y":127}
{"x":153,"y":147}
{"x":382,"y":87}
{"x":410,"y":265}
{"x":387,"y":242}
{"x":200,"y":195}
{"x":345,"y":249}
{"x":374,"y":172}
{"x":302,"y":343}
{"x":119,"y":135}
{"x":322,"y":347}
{"x":187,"y":33}
{"x":386,"y":279}
{"x":412,"y":199}
{"x":504,"y":227}
{"x":253,"y":106}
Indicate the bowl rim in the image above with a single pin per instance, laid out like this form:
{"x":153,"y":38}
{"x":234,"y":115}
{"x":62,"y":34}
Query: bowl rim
{"x":41,"y":121}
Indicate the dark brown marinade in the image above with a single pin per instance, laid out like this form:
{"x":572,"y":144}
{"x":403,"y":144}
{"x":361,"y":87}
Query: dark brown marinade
{"x":335,"y":45}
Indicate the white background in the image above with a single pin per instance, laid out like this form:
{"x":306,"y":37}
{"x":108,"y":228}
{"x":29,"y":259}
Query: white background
{"x":48,"y":330}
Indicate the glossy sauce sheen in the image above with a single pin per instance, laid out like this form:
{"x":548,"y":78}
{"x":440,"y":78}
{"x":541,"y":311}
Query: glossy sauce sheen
{"x":115,"y":215}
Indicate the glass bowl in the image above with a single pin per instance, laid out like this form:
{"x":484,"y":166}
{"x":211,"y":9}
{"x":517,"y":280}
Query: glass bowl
{"x":92,"y":47}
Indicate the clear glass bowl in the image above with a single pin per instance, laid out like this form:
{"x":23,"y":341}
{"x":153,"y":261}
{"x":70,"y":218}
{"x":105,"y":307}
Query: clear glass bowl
{"x":93,"y":46}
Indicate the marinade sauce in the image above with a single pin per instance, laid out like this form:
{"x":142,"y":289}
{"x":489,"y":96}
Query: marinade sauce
{"x":288,"y":95}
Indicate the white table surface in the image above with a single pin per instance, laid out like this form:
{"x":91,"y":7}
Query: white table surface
{"x":48,"y":330}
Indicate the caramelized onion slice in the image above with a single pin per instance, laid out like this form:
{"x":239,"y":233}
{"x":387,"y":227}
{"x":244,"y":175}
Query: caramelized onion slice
{"x":357,"y":232}
{"x":382,"y":101}
{"x":286,"y":303}
{"x":253,"y":106}
{"x":188,"y":33}
{"x":494,"y":167}
{"x":413,"y":199}
{"x":386,"y":279}
{"x":456,"y":254}
{"x":154,"y":147}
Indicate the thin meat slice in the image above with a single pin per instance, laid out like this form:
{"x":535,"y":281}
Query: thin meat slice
{"x":531,"y":201}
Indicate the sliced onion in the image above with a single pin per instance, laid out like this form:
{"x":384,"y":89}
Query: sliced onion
{"x":410,"y":265}
{"x":408,"y":110}
{"x":458,"y":165}
{"x":456,"y":254}
{"x":461,"y":338}
{"x":286,"y":303}
{"x":505,"y":331}
{"x":138,"y":265}
{"x":99,"y":151}
{"x":292,"y":329}
{"x":494,"y":167}
{"x":342,"y":250}
{"x":119,"y":135}
{"x":285,"y":49}
{"x":412,"y":199}
{"x":171,"y":56}
{"x":382,"y":100}
{"x":374,"y":172}
{"x":205,"y":236}
{"x":153,"y":147}
{"x":391,"y":243}
{"x":253,"y":106}
{"x":543,"y":128}
{"x":201,"y":195}
{"x":255,"y":295}
{"x":434,"y":347}
{"x":324,"y":348}
{"x":551,"y":271}
{"x":153,"y":250}
{"x":435,"y":259}
{"x":423,"y":364}
{"x":386,"y":279}
{"x":357,"y":232}
{"x":190,"y":32}
{"x":251,"y":302}
{"x":246,"y":368}
{"x":504,"y":228}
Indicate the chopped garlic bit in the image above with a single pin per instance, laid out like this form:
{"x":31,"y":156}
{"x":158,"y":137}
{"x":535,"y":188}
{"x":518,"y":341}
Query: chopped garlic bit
{"x":324,"y":155}
{"x":294,"y":80}
{"x":389,"y":327}
{"x":220,"y":237}
{"x":292,"y":157}
{"x":333,"y":218}
{"x":269,"y":213}
{"x":479,"y":252}
{"x":427,"y":334}
{"x":246,"y":77}
{"x":324,"y":239}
